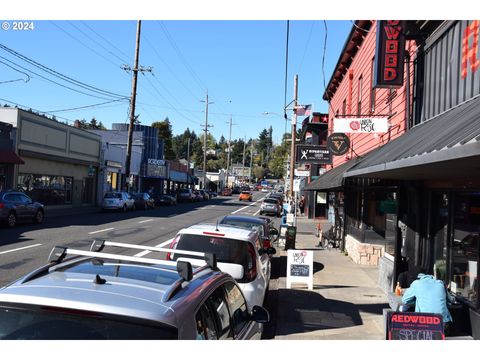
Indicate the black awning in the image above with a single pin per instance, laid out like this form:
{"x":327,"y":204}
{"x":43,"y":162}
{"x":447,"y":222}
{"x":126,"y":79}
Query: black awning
{"x":333,"y":178}
{"x":428,"y":149}
{"x":9,"y":157}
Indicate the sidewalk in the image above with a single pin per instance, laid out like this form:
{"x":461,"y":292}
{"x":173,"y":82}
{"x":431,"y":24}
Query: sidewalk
{"x":345,"y":302}
{"x":56,"y":211}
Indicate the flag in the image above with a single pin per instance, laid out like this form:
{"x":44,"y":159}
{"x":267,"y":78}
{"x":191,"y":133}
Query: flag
{"x":303,"y":110}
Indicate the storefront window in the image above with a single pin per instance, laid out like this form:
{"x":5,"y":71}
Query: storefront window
{"x":465,"y":246}
{"x":47,"y":189}
{"x":439,"y":231}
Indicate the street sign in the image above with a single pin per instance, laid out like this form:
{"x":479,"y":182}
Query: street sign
{"x":302,"y":173}
{"x":300,"y":267}
{"x":313,"y":154}
{"x":296,"y":185}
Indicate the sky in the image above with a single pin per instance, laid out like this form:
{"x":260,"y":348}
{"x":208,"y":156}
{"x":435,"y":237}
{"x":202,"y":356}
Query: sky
{"x":241,"y":64}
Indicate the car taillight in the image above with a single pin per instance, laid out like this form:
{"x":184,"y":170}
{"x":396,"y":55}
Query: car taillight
{"x":173,"y":245}
{"x":251,"y":272}
{"x":2,"y":205}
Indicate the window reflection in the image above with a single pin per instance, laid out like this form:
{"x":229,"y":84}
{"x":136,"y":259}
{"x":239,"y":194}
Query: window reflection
{"x":47,"y":189}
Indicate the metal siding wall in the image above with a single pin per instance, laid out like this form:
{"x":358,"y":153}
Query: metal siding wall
{"x":444,"y":87}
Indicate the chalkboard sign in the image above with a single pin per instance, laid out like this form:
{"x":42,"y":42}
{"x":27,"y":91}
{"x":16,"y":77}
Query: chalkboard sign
{"x":415,"y":326}
{"x":300,"y":267}
{"x":299,"y":270}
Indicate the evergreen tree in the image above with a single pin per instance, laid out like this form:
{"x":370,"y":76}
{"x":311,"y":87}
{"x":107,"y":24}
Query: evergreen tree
{"x":165,"y":133}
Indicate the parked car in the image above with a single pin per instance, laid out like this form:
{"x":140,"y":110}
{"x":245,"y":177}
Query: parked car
{"x":278,"y":197}
{"x":231,"y":245}
{"x":263,"y":226}
{"x":236,"y":190}
{"x":17,"y":207}
{"x":143,"y":201}
{"x":198,"y":196}
{"x":165,"y":199}
{"x":118,"y":200}
{"x":205,"y":194}
{"x":245,"y":195}
{"x":270,"y":206}
{"x":226,"y":192}
{"x":93,"y":295}
{"x":186,"y":195}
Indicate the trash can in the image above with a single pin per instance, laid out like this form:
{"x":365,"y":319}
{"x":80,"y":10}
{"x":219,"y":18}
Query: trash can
{"x":290,"y":237}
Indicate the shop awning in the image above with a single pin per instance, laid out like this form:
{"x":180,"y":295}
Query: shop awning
{"x":333,"y":178}
{"x":9,"y":157}
{"x":442,"y":147}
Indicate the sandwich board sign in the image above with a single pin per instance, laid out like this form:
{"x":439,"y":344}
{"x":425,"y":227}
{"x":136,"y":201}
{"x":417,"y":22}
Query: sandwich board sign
{"x":415,"y":326}
{"x":300,"y":267}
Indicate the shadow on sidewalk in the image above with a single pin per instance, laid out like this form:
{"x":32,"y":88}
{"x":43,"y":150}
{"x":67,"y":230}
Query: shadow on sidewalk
{"x":302,"y":311}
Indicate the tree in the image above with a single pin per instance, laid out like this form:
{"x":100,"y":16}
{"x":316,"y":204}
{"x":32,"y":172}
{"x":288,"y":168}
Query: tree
{"x":92,"y":125}
{"x":165,"y":133}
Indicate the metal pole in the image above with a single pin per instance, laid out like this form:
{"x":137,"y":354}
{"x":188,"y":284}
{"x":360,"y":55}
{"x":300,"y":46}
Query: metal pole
{"x":188,"y":157}
{"x":229,"y":148}
{"x":294,"y":135}
{"x":205,"y":145}
{"x":251,"y":162}
{"x":132,"y":105}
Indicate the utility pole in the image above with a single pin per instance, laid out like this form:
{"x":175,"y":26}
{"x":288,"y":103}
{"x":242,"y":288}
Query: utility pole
{"x":188,"y":156}
{"x":205,"y":143}
{"x":294,"y":135}
{"x":229,"y":146}
{"x":244,"y":146}
{"x":251,"y":162}
{"x":133,"y":99}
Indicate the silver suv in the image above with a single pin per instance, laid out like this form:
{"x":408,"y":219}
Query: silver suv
{"x":98,"y":295}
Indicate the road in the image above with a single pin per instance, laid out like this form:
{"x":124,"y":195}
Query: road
{"x":27,"y":247}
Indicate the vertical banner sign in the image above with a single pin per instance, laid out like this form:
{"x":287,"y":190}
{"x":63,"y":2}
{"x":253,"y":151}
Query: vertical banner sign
{"x":389,"y":54}
{"x":300,"y":267}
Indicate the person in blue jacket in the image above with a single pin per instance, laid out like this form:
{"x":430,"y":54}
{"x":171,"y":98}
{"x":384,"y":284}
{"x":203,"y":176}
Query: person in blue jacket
{"x":429,"y":296}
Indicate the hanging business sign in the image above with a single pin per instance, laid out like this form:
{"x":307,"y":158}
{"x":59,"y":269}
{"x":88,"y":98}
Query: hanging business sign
{"x":389,"y":54}
{"x":338,"y":143}
{"x":302,"y":173}
{"x":360,"y":125}
{"x":300,"y":267}
{"x":313,"y":154}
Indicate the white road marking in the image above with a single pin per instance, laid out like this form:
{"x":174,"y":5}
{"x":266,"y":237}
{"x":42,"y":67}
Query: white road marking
{"x":144,"y":221}
{"x":22,"y":248}
{"x":256,"y":213}
{"x":145,"y":252}
{"x":99,"y":231}
{"x":247,"y":206}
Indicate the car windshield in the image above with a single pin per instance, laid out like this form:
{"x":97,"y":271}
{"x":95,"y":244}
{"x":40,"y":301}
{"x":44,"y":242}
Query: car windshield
{"x":18,"y":322}
{"x":245,"y":225}
{"x":227,"y":250}
{"x":113,"y":196}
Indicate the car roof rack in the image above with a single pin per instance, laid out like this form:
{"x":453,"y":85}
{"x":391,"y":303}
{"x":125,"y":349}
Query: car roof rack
{"x":99,"y":245}
{"x":184,"y":268}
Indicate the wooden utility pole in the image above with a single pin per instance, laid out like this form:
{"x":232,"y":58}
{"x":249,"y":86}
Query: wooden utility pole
{"x":133,"y":99}
{"x":229,"y":146}
{"x":294,"y":135}
{"x":205,"y":143}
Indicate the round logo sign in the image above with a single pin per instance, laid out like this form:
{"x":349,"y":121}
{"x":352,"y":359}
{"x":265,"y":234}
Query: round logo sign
{"x":338,"y":143}
{"x":354,"y":125}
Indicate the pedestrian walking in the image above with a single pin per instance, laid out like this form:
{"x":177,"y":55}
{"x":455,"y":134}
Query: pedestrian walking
{"x":301,"y":205}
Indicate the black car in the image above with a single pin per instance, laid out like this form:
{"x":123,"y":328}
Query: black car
{"x":15,"y":207}
{"x":266,"y":231}
{"x":165,"y":199}
{"x":143,"y":201}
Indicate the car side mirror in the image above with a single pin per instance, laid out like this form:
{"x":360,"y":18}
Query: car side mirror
{"x":260,"y":315}
{"x":271,"y":251}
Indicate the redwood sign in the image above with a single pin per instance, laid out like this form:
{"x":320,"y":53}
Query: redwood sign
{"x":389,"y":54}
{"x":415,"y":326}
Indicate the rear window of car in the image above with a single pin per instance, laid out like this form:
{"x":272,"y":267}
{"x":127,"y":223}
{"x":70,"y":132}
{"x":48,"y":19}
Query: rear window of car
{"x":51,"y":323}
{"x":245,"y":193}
{"x":244,"y":225}
{"x":270,"y":201}
{"x":184,"y":191}
{"x":113,"y":196}
{"x":227,"y":250}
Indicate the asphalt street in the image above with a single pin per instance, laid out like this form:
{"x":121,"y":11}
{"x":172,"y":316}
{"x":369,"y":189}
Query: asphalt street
{"x":27,"y":246}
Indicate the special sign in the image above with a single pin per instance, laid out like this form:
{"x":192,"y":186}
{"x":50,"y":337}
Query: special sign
{"x":300,"y":267}
{"x":313,"y":154}
{"x":415,"y":326}
{"x":389,"y":54}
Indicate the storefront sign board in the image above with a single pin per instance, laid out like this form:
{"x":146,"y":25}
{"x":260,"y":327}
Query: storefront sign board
{"x":300,"y":267}
{"x":415,"y":326}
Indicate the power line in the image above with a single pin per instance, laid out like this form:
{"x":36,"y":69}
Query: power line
{"x":306,"y":45}
{"x":182,"y":58}
{"x":60,"y":75}
{"x":83,"y":107}
{"x":54,"y":82}
{"x":21,"y":72}
{"x":107,"y":41}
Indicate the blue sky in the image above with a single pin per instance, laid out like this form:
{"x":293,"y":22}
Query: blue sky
{"x":241,"y":63}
